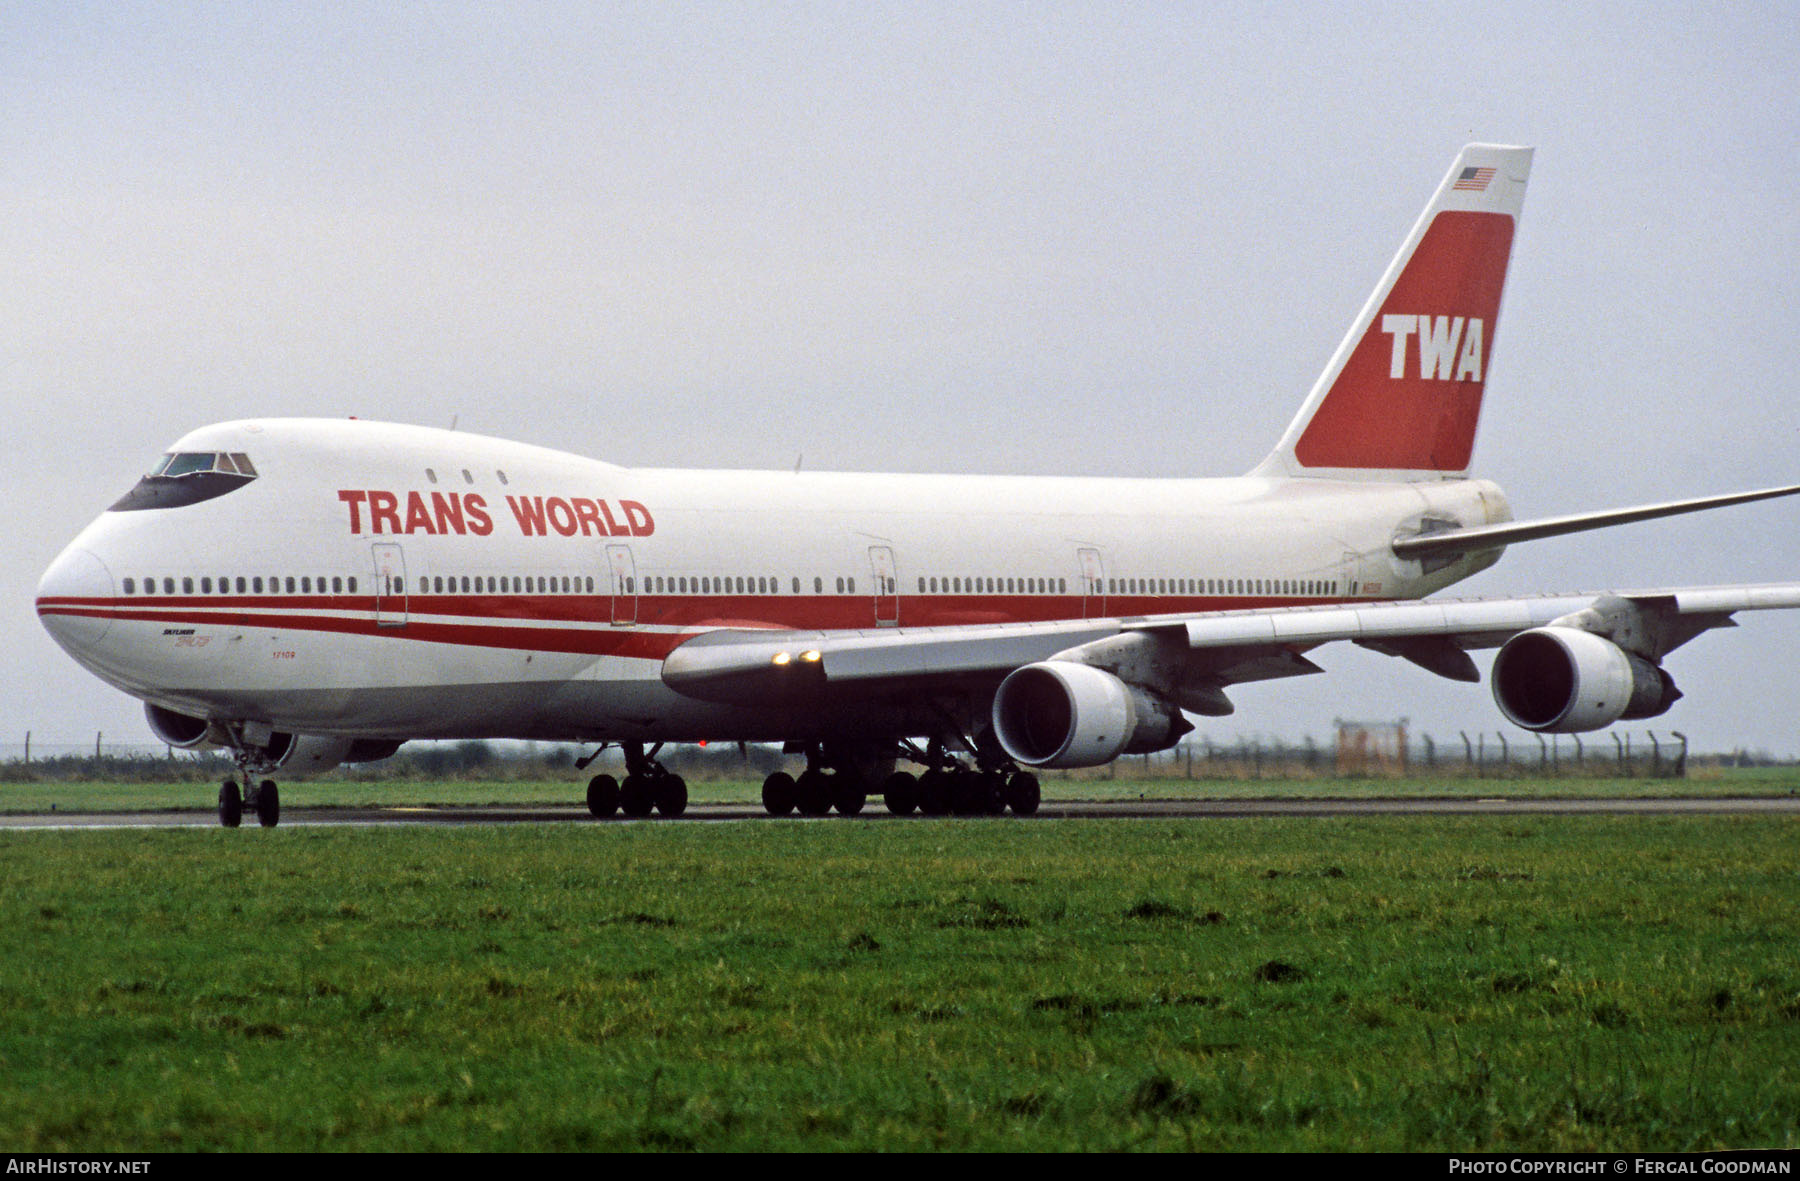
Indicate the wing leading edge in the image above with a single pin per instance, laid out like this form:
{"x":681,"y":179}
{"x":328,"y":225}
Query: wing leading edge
{"x":1191,"y":657}
{"x":1461,"y":541}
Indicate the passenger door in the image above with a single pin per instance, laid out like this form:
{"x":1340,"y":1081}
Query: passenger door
{"x":390,"y":584}
{"x":887,"y":586}
{"x":624,"y":585}
{"x":1093,"y":583}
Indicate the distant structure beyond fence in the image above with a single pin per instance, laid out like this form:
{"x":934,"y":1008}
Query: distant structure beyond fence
{"x":1371,"y":748}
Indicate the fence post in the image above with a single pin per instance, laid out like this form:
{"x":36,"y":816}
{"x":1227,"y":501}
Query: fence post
{"x":1681,"y":759}
{"x":28,"y":748}
{"x":1505,"y":756}
{"x":96,"y":746}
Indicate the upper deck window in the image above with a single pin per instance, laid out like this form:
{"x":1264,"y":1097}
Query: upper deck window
{"x":188,"y":477}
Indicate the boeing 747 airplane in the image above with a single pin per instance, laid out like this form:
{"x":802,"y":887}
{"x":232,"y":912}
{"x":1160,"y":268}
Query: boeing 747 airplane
{"x":306,"y":592}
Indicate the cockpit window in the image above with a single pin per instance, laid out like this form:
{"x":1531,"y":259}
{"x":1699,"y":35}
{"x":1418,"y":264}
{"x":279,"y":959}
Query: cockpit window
{"x":186,"y":463}
{"x":188,"y":477}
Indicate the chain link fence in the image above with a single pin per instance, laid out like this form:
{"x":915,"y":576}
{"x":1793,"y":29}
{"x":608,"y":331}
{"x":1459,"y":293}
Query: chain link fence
{"x":1357,"y":750}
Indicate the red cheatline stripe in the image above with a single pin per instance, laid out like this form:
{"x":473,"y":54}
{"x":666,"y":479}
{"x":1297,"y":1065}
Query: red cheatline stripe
{"x":532,"y":624}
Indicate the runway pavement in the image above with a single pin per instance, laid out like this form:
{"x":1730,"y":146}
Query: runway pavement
{"x":1051,"y":810}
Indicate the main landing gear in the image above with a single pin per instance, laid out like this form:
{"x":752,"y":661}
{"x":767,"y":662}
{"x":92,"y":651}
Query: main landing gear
{"x":816,"y":792}
{"x":263,"y":800}
{"x":648,"y":787}
{"x":946,"y":788}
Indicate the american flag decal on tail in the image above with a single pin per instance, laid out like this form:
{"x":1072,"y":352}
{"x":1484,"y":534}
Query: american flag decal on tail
{"x":1474,"y":180}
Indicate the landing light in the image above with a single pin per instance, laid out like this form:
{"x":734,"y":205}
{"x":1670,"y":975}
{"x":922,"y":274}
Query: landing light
{"x":781,"y":659}
{"x":811,"y":656}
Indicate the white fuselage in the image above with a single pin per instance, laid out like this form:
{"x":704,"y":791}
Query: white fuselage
{"x":386,"y":581}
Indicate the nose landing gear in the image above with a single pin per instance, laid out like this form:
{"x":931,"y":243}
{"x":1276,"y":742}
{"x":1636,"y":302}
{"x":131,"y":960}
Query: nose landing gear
{"x":262,"y":799}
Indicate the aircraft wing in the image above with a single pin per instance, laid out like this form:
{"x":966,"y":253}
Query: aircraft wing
{"x":1197,"y":655}
{"x":1461,"y":541}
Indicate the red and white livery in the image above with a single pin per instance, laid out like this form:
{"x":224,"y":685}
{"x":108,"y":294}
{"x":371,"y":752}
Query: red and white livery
{"x":304,"y":592}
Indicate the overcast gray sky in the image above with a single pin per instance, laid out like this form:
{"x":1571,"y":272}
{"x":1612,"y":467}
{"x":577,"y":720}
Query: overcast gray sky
{"x":1098,"y":239}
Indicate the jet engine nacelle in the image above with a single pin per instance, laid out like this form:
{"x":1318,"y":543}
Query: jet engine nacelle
{"x":1061,"y":714}
{"x":1569,"y":681}
{"x":295,"y":754}
{"x":310,"y":754}
{"x":305,"y":754}
{"x":181,"y":731}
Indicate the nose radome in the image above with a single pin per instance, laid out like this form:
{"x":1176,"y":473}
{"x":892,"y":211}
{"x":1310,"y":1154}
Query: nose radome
{"x":74,"y":599}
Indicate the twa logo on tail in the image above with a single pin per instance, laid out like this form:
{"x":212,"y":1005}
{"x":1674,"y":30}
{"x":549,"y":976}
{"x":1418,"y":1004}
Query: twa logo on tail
{"x":1402,"y":395}
{"x":1388,"y":408}
{"x":1447,"y":351}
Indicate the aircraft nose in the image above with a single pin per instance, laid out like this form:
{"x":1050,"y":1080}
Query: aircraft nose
{"x":74,"y":600}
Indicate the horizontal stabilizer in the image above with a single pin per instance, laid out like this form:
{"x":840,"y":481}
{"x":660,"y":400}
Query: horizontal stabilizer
{"x":1486,"y":537}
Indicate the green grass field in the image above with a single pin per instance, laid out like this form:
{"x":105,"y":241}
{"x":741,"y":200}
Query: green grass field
{"x":1386,"y":983}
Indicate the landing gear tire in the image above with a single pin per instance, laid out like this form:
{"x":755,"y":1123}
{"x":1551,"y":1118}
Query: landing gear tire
{"x":968,"y":793}
{"x":1023,"y":794}
{"x":671,"y":795}
{"x":603,"y":796}
{"x":813,"y":793}
{"x":901,"y":793}
{"x":934,"y":793}
{"x":637,"y":798}
{"x":993,"y":793}
{"x":268,"y":804}
{"x":231,"y":804}
{"x":779,"y":794}
{"x":848,"y":796}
